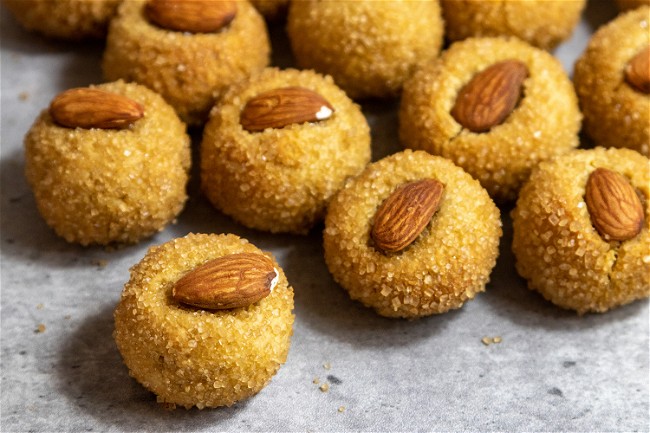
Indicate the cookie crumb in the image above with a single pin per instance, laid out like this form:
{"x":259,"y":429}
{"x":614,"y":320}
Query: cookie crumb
{"x":100,"y":263}
{"x":23,"y":96}
{"x":327,"y":366}
{"x":67,"y":317}
{"x":316,"y":381}
{"x":491,"y":340}
{"x":40,"y":328}
{"x":39,"y":306}
{"x":324,"y":387}
{"x":342,"y":409}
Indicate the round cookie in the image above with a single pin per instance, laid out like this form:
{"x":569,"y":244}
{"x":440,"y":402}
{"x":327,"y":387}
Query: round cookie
{"x":64,"y":19}
{"x":280,"y":179}
{"x":98,"y":186}
{"x":616,"y":112}
{"x":449,"y":263}
{"x":625,"y":5}
{"x":545,"y":121}
{"x":189,"y":69}
{"x":191,"y":356}
{"x":369,"y":48}
{"x":541,"y":23}
{"x":556,"y":243}
{"x":271,"y":9}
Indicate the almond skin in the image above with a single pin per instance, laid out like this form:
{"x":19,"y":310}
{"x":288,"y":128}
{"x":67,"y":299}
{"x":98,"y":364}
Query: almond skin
{"x":93,"y":108}
{"x":194,"y":16}
{"x":614,"y":206}
{"x":489,"y":98}
{"x":637,"y":71}
{"x":233,"y":281}
{"x":405,"y":213}
{"x":282,"y":107}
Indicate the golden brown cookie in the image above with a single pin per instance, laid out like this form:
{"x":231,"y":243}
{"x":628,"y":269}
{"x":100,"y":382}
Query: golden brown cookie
{"x":545,"y":120}
{"x":609,"y":82}
{"x":190,"y":69}
{"x":542,"y":23}
{"x":280,"y":177}
{"x":97,"y":186}
{"x":192,"y":356}
{"x":581,"y":229}
{"x":64,"y":19}
{"x":369,"y":48}
{"x":447,"y":263}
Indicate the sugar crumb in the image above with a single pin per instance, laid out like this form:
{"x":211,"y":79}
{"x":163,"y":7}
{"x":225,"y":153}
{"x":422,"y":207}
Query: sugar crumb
{"x":39,"y":306}
{"x":316,"y":381}
{"x":342,"y":409}
{"x":327,"y":366}
{"x":324,"y":387}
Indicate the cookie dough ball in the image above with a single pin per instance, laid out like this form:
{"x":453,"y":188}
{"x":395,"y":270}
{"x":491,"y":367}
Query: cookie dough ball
{"x":280,"y":178}
{"x":271,"y":9}
{"x":189,"y":69}
{"x":191,"y":356}
{"x":544,"y":122}
{"x":99,"y":186}
{"x":616,"y":110}
{"x":64,"y":19}
{"x":559,"y":250}
{"x":447,"y":264}
{"x":625,"y":5}
{"x":369,"y":48}
{"x":542,"y":23}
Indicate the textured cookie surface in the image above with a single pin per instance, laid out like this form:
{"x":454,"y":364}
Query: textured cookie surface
{"x":281,"y":179}
{"x":193,"y":357}
{"x":449,"y":263}
{"x":560,"y":252}
{"x":368,"y":47}
{"x":616,"y":114}
{"x":545,"y":122}
{"x":98,"y":186}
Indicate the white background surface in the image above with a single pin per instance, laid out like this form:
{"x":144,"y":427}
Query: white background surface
{"x":552,"y":371}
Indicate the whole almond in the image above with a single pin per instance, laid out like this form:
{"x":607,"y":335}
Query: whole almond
{"x":282,"y":107}
{"x":405,"y":213}
{"x":194,"y":16}
{"x":614,"y":206}
{"x":489,"y":98}
{"x":93,"y":108}
{"x":232,"y":281}
{"x":637,"y":71}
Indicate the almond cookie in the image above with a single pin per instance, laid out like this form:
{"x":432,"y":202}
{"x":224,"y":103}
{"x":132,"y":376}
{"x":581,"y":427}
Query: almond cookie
{"x":368,"y":47}
{"x":612,"y":79}
{"x":189,"y":57}
{"x":108,"y":163}
{"x":581,"y":229}
{"x":413,"y":235}
{"x":278,"y":146}
{"x":542,"y":23}
{"x":207,"y":355}
{"x":64,"y":19}
{"x":494,"y":106}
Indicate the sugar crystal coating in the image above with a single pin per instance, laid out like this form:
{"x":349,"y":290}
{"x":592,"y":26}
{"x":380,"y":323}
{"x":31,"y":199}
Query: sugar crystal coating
{"x":64,"y":19}
{"x":98,"y":186}
{"x":616,"y":115}
{"x":542,"y":23}
{"x":557,"y":248}
{"x":370,"y":48}
{"x":189,"y":70}
{"x":449,"y":263}
{"x":281,"y":179}
{"x":194,"y":357}
{"x":545,"y":123}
